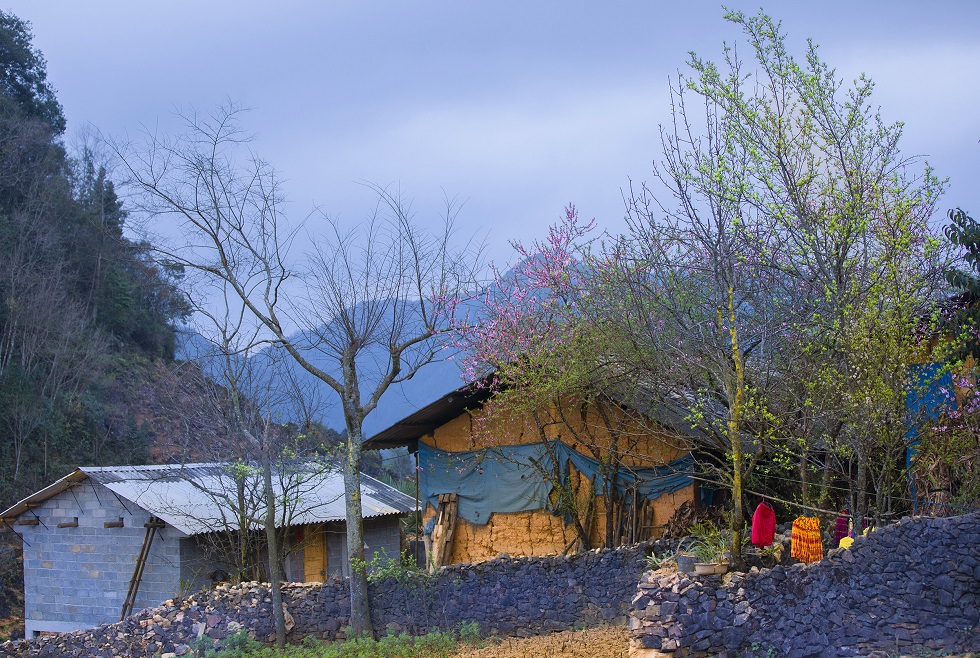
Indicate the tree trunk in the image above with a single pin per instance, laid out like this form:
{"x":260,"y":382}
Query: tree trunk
{"x":735,"y":434}
{"x":825,"y":482}
{"x":861,"y":508}
{"x":611,"y":502}
{"x":275,"y":583}
{"x":243,"y":527}
{"x":804,"y":480}
{"x":360,"y":608}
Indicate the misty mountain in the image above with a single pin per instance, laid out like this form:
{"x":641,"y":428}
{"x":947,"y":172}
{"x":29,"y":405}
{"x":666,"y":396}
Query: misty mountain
{"x":273,"y":375}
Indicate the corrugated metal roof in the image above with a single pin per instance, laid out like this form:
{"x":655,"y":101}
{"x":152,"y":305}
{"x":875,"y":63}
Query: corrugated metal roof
{"x":199,"y":498}
{"x":39,"y":497}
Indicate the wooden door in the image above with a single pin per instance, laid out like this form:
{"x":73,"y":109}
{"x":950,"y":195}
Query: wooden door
{"x":315,"y":554}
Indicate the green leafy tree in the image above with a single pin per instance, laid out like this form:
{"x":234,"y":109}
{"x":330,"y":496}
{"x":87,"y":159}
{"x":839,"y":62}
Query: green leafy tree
{"x":24,"y":88}
{"x":776,"y":278}
{"x":947,"y":454}
{"x":963,"y":319}
{"x":75,"y":292}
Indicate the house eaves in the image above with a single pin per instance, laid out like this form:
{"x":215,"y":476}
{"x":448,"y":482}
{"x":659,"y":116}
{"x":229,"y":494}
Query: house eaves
{"x":407,"y":431}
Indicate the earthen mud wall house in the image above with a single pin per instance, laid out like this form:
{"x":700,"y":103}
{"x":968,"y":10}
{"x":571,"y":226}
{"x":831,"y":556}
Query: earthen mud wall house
{"x":454,"y":428}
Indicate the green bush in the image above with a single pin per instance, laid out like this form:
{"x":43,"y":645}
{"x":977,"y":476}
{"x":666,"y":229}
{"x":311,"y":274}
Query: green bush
{"x":437,"y":644}
{"x":381,"y":567}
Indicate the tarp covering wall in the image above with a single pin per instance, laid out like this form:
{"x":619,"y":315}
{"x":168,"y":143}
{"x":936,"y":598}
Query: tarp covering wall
{"x":510,"y":479}
{"x":929,"y":395}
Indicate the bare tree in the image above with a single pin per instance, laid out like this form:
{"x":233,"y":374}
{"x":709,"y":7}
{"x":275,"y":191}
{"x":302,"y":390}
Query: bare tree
{"x":372,"y":299}
{"x":264,"y":483}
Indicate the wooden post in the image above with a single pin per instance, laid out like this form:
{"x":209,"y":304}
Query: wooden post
{"x":445,"y":529}
{"x":134,"y":583}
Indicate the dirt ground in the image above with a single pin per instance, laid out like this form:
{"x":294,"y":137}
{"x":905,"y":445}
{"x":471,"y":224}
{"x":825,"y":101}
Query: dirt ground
{"x":603,"y":642}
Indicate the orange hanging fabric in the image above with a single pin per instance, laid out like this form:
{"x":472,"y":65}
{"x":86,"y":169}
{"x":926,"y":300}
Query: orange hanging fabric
{"x":807,"y":545}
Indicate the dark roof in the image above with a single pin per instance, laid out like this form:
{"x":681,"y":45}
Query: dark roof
{"x":407,"y":431}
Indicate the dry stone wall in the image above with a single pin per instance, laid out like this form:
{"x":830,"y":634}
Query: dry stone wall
{"x":912,"y":584}
{"x":512,"y":596}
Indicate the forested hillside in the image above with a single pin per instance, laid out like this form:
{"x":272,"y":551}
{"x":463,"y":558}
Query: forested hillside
{"x":81,"y":302}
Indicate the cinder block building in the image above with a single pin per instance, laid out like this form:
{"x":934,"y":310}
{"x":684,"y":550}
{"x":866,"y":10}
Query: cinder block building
{"x":103,"y":538}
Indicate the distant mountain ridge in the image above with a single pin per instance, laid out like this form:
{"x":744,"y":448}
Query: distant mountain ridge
{"x":431,"y":382}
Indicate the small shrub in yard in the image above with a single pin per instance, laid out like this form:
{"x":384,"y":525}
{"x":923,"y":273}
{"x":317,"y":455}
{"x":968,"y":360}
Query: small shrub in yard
{"x":438,"y":644}
{"x":381,"y":567}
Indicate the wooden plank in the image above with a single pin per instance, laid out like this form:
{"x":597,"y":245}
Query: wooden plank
{"x":445,"y":529}
{"x":69,"y":524}
{"x":452,"y":507}
{"x":28,"y":521}
{"x":113,"y":524}
{"x":134,"y":583}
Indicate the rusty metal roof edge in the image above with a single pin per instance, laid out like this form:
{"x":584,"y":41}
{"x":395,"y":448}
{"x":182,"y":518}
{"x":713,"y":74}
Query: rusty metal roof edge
{"x":44,"y":494}
{"x":406,"y":431}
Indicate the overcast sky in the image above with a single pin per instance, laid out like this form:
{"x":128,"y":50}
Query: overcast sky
{"x":516,"y":107}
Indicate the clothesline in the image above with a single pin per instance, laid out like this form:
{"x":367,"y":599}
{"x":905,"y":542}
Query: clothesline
{"x":790,"y":502}
{"x":906,"y":500}
{"x":767,"y":496}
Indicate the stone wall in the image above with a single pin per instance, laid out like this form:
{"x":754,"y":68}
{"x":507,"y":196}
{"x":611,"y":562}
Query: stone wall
{"x":512,"y":596}
{"x":912,"y":584}
{"x":79,"y":575}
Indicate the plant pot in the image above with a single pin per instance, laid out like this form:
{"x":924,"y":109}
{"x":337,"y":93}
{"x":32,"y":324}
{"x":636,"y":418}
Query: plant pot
{"x":705,"y":568}
{"x":721,"y":567}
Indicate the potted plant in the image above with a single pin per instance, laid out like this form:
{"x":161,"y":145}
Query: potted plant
{"x":709,"y":547}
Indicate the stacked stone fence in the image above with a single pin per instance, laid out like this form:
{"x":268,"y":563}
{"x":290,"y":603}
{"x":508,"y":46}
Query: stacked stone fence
{"x":913,"y":585}
{"x":509,"y":596}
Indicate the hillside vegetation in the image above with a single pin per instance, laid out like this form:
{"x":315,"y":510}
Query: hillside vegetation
{"x":81,"y":300}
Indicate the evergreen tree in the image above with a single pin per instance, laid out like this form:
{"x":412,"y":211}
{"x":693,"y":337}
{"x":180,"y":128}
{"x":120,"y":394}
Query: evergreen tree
{"x":24,"y":87}
{"x":963,"y":319}
{"x":78,"y":296}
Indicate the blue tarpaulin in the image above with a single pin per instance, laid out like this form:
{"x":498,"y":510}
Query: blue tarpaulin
{"x":510,"y":478}
{"x":930,"y":394}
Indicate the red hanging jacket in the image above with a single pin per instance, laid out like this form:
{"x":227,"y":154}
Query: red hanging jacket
{"x":763,"y":525}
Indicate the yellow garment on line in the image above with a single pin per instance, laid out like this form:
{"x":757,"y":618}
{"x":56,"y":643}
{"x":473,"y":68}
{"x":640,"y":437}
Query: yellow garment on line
{"x":806,"y":543}
{"x":845,"y":542}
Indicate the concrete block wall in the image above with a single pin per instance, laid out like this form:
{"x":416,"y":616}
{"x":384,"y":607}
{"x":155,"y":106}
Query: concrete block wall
{"x":380,"y":534}
{"x":77,"y":577}
{"x":197,"y":563}
{"x":383,"y":537}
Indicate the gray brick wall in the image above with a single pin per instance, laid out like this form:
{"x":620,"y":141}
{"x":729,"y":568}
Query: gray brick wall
{"x":196,"y":564}
{"x":77,"y":577}
{"x":383,"y":533}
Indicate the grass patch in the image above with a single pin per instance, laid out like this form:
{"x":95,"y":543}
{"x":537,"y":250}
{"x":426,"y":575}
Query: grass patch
{"x":438,"y":644}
